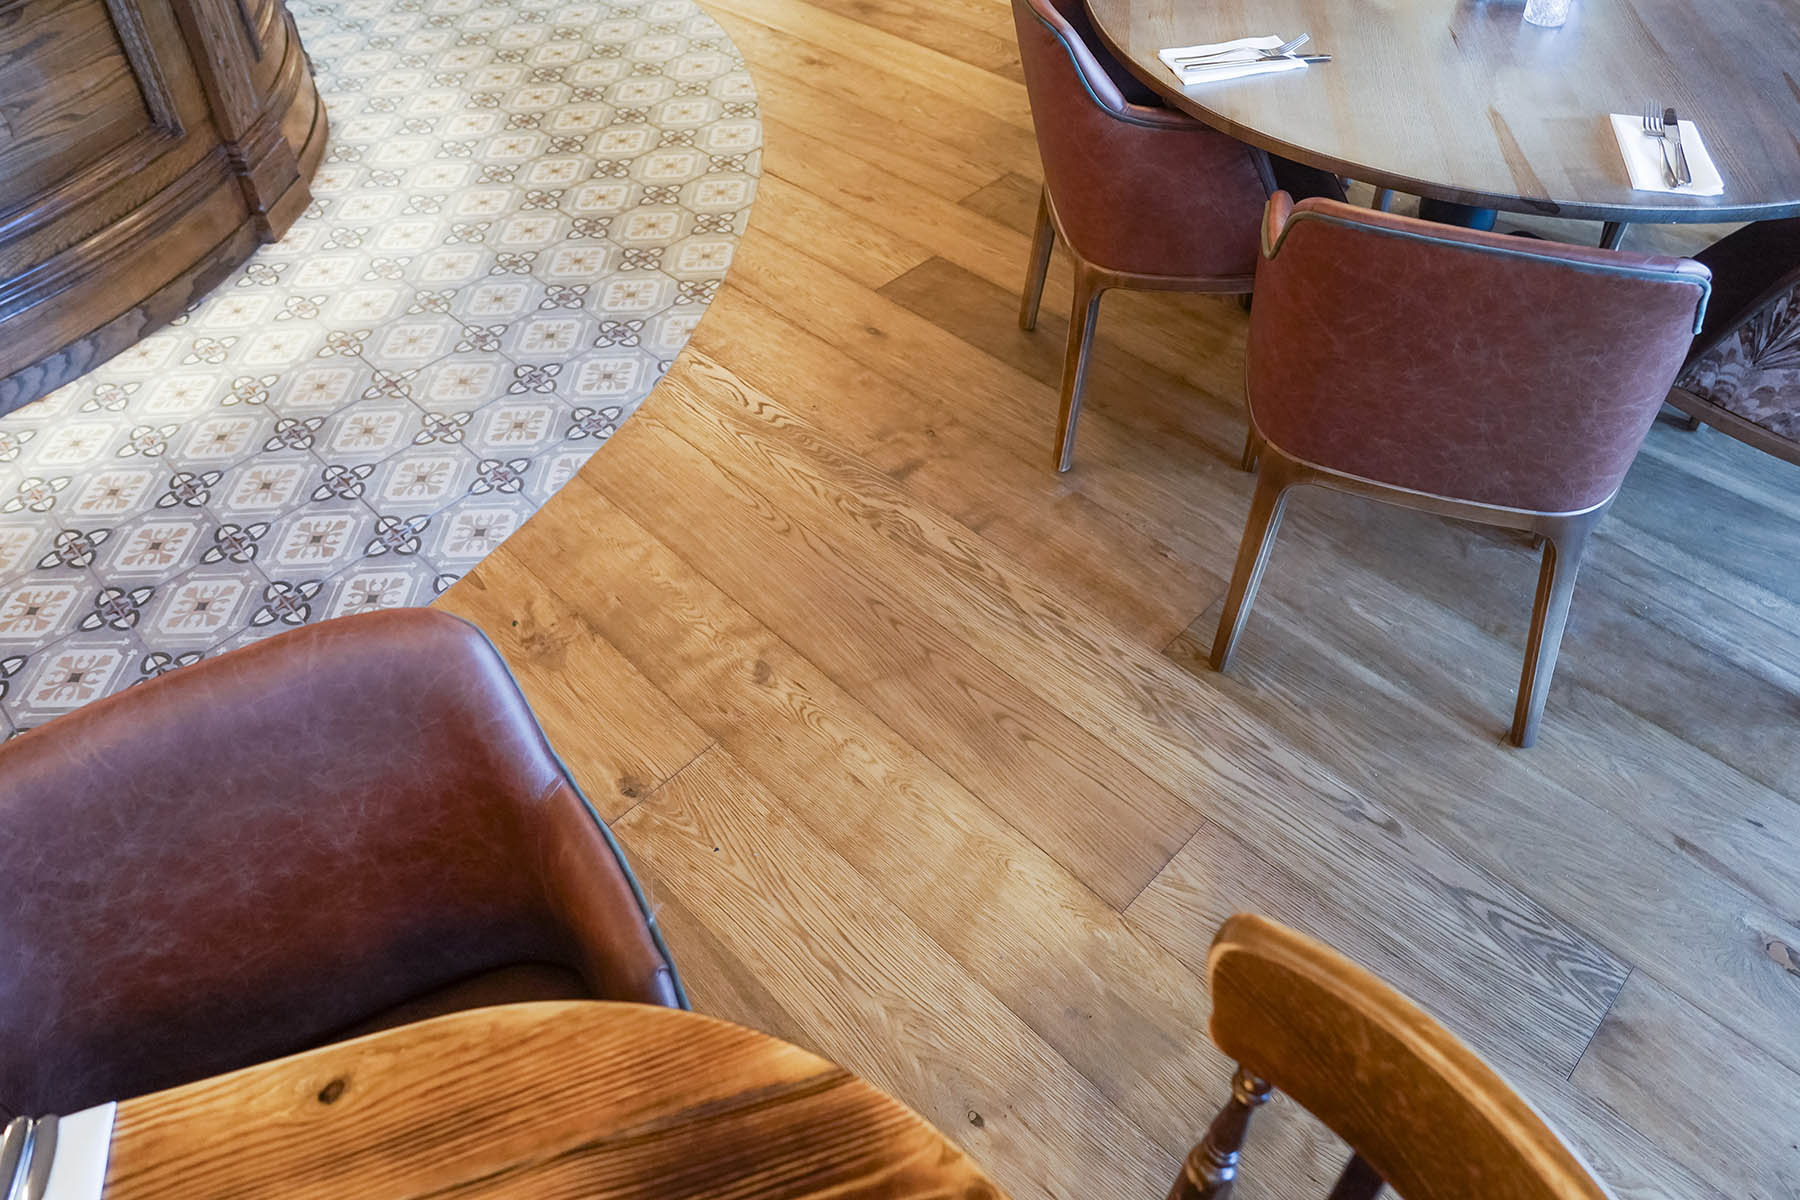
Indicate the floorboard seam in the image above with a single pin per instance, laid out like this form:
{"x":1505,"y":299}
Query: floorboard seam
{"x":667,"y":780}
{"x":1600,"y":1024}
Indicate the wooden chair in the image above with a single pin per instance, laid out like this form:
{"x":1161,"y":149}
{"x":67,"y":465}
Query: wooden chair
{"x":1421,"y":1111}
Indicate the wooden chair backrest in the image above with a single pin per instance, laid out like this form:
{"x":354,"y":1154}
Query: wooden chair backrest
{"x":1416,"y":1105}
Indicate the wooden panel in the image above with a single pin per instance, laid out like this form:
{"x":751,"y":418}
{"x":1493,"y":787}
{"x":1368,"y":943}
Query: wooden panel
{"x":117,"y":194}
{"x":68,"y":96}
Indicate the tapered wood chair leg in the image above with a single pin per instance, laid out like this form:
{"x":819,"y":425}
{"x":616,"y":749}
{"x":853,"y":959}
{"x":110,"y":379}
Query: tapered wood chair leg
{"x":1563,"y":549}
{"x":1211,"y":1166}
{"x":1252,"y":448}
{"x":1043,"y":240}
{"x":1084,"y":313}
{"x":1272,"y":484}
{"x":1359,"y":1181}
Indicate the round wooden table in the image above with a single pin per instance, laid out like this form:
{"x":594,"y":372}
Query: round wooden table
{"x":1462,"y":101}
{"x":553,"y":1099}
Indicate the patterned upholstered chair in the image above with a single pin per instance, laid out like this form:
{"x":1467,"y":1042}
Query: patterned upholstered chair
{"x":346,"y":827}
{"x":1142,"y":196}
{"x":1743,"y":374}
{"x":1495,"y":379}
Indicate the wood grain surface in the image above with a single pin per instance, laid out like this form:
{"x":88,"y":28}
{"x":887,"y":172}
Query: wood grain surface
{"x":1462,"y":100}
{"x":550,"y":1099}
{"x":818,"y":624}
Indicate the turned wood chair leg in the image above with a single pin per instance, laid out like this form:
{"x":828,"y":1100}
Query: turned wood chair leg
{"x":1272,"y":484}
{"x":1043,"y":240}
{"x":1212,"y":1165}
{"x":1084,"y":312}
{"x":1564,"y":545}
{"x":1358,"y":1182}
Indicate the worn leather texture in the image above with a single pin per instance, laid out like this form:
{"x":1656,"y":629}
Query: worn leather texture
{"x":1473,"y":365}
{"x":252,"y":855}
{"x":1136,"y":188}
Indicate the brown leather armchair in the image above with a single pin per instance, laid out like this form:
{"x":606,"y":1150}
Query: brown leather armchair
{"x":1142,"y":196}
{"x":1489,"y":378}
{"x":344,"y":827}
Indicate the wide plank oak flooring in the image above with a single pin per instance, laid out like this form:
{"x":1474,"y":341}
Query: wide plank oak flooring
{"x":914,"y":745}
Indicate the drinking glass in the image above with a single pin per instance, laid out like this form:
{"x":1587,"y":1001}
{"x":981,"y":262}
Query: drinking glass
{"x":1550,"y":13}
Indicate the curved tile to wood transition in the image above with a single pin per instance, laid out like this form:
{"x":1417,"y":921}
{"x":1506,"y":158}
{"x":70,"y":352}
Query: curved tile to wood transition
{"x":524,"y":209}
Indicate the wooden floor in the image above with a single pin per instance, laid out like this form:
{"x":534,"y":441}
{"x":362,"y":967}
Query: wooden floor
{"x":914,"y":745}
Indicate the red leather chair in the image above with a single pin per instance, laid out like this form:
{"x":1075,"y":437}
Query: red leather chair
{"x":341,"y":828}
{"x":1496,"y":379}
{"x":1143,"y":197}
{"x":1743,"y":375}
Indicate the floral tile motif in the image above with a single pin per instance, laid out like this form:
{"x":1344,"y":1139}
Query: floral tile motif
{"x":524,"y":208}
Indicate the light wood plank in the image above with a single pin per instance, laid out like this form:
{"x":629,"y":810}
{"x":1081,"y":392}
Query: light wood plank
{"x":878,"y":995}
{"x":1133,"y":698}
{"x":1066,"y":789}
{"x":1117,"y":1007}
{"x":968,"y":468}
{"x":1686,"y":1081}
{"x":619,"y":735}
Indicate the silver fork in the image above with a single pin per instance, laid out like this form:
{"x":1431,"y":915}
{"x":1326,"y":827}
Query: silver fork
{"x":1653,"y":127}
{"x":1281,"y":51}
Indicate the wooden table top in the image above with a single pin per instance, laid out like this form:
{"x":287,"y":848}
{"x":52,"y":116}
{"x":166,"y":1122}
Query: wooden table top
{"x":551,"y":1099}
{"x":1462,"y":100}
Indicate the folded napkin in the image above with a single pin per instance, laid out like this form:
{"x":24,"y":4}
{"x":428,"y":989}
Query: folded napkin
{"x":1643,"y":161}
{"x":1241,"y":60}
{"x":83,"y":1140}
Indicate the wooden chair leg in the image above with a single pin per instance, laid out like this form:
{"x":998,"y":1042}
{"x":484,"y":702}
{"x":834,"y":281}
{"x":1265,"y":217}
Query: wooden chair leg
{"x":1358,"y":1182}
{"x":1563,"y":548}
{"x":1211,"y":1166}
{"x":1272,"y":484}
{"x":1252,"y":448}
{"x":1043,"y":240}
{"x":1084,"y":312}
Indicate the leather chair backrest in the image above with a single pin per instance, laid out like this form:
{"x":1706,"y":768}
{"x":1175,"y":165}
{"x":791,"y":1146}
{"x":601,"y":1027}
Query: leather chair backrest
{"x":1504,"y":370}
{"x":237,"y":860}
{"x":1135,"y":188}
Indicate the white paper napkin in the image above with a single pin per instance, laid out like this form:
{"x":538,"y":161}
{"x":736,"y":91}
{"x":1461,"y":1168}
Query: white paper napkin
{"x":1643,"y":161}
{"x":1241,"y":60}
{"x":83,"y":1141}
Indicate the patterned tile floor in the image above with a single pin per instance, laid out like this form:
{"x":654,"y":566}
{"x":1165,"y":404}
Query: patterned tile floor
{"x":523,"y":211}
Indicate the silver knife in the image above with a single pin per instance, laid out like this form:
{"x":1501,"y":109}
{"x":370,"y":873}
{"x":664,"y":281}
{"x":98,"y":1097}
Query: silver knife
{"x":13,"y":1142}
{"x":1672,"y":131}
{"x":43,"y":1152}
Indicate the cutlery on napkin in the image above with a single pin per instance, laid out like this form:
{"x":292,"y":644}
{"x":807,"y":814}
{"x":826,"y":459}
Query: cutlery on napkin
{"x":57,"y":1158}
{"x":1643,"y":159}
{"x":1228,"y":60}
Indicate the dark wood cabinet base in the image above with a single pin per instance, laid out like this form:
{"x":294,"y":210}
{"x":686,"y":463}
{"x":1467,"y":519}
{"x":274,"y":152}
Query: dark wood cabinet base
{"x":146,"y":148}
